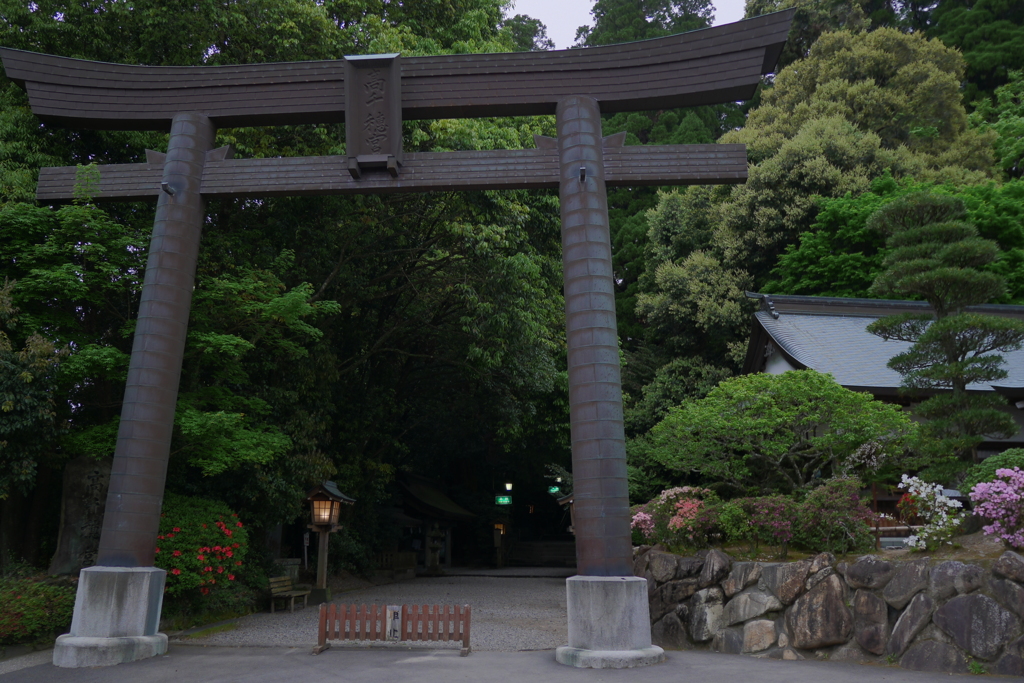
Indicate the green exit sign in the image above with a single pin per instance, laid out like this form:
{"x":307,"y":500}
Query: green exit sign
{"x":503,"y":500}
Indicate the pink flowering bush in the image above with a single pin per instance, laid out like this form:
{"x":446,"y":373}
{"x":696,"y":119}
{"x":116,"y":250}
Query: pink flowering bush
{"x":642,"y":526}
{"x":771,"y":522}
{"x":680,"y":516}
{"x":1002,"y":502}
{"x":686,"y":512}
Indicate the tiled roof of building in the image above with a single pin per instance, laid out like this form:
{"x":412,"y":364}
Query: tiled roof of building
{"x":830,"y":335}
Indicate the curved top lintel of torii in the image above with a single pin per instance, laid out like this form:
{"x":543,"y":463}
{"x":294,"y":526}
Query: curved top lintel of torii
{"x":709,"y":66}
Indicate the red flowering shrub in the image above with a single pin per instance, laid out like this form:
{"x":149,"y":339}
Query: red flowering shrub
{"x":202,"y":546}
{"x":31,"y":609}
{"x":909,"y":509}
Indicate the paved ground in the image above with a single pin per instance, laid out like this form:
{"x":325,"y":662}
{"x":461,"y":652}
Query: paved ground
{"x":26,"y":660}
{"x":509,"y":614}
{"x":518,"y":620}
{"x":368,"y":665}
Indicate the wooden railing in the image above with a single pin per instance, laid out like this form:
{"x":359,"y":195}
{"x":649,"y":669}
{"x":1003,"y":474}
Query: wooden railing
{"x":884,"y":526}
{"x":393,"y":623}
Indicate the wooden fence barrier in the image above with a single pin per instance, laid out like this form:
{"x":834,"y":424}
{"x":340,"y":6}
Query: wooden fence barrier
{"x":393,"y":623}
{"x":890,"y":527}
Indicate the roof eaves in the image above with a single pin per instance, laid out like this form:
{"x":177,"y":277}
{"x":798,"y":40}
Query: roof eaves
{"x":877,"y":308}
{"x":790,"y":351}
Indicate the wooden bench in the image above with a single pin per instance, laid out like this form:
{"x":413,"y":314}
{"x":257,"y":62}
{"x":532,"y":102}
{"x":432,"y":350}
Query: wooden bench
{"x":393,"y":623}
{"x":282,"y":588}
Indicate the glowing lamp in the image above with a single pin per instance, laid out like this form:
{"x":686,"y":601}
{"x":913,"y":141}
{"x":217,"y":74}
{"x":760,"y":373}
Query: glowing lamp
{"x":325,"y":511}
{"x":325,"y":504}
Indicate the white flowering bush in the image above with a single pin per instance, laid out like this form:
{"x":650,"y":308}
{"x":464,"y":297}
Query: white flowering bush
{"x":941,"y":515}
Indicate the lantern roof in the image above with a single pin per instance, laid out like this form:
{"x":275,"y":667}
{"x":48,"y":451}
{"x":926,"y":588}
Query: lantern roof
{"x":330,"y":489}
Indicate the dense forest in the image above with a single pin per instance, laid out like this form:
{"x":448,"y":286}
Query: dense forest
{"x":362,"y":339}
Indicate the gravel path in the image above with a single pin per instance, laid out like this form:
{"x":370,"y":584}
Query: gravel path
{"x":24,"y":661}
{"x":509,"y":614}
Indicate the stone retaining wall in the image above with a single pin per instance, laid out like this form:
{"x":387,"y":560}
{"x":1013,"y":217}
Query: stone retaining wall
{"x":923,"y":615}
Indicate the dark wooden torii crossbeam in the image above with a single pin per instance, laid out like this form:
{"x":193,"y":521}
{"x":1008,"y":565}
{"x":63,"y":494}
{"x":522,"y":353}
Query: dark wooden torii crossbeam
{"x":711,"y":66}
{"x":520,"y":169}
{"x":373,"y":94}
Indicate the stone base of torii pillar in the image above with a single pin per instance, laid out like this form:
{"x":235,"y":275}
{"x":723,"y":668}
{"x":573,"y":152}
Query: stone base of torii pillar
{"x":117,"y":614}
{"x":609,"y":617}
{"x":609,"y":624}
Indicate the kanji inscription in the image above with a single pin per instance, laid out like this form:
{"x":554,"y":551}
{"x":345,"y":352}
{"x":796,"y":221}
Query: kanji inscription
{"x":376,"y":130}
{"x":373,"y":107}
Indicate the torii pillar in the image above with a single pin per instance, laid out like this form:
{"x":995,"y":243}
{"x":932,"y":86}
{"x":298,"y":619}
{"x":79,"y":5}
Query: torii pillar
{"x":118,"y":604}
{"x":609,"y":617}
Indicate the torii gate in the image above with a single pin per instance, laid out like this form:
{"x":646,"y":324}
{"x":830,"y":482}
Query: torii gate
{"x":117,"y":610}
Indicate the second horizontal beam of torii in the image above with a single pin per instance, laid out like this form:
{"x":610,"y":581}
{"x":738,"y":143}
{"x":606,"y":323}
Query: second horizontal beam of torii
{"x":529,"y":169}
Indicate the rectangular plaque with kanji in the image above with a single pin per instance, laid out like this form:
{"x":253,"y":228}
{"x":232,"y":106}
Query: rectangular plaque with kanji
{"x":373,"y":113}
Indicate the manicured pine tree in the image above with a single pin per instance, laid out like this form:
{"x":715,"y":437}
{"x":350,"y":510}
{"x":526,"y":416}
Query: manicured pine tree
{"x":938,"y":257}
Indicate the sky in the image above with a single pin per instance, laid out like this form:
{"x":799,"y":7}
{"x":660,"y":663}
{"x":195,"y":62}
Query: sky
{"x":563,"y":17}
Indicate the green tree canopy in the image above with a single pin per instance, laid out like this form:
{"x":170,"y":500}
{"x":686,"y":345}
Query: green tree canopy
{"x":29,"y":423}
{"x":345,"y":337}
{"x":990,"y":33}
{"x":851,"y":111}
{"x":617,"y":21}
{"x":623,"y":21}
{"x":765,"y":433}
{"x":841,"y":256}
{"x":528,"y":33}
{"x":830,"y":124}
{"x":903,"y":88}
{"x":1006,"y":119}
{"x":811,"y":20}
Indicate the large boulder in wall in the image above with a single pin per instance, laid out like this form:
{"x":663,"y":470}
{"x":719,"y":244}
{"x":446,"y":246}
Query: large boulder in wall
{"x":820,"y":617}
{"x":977,"y":624}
